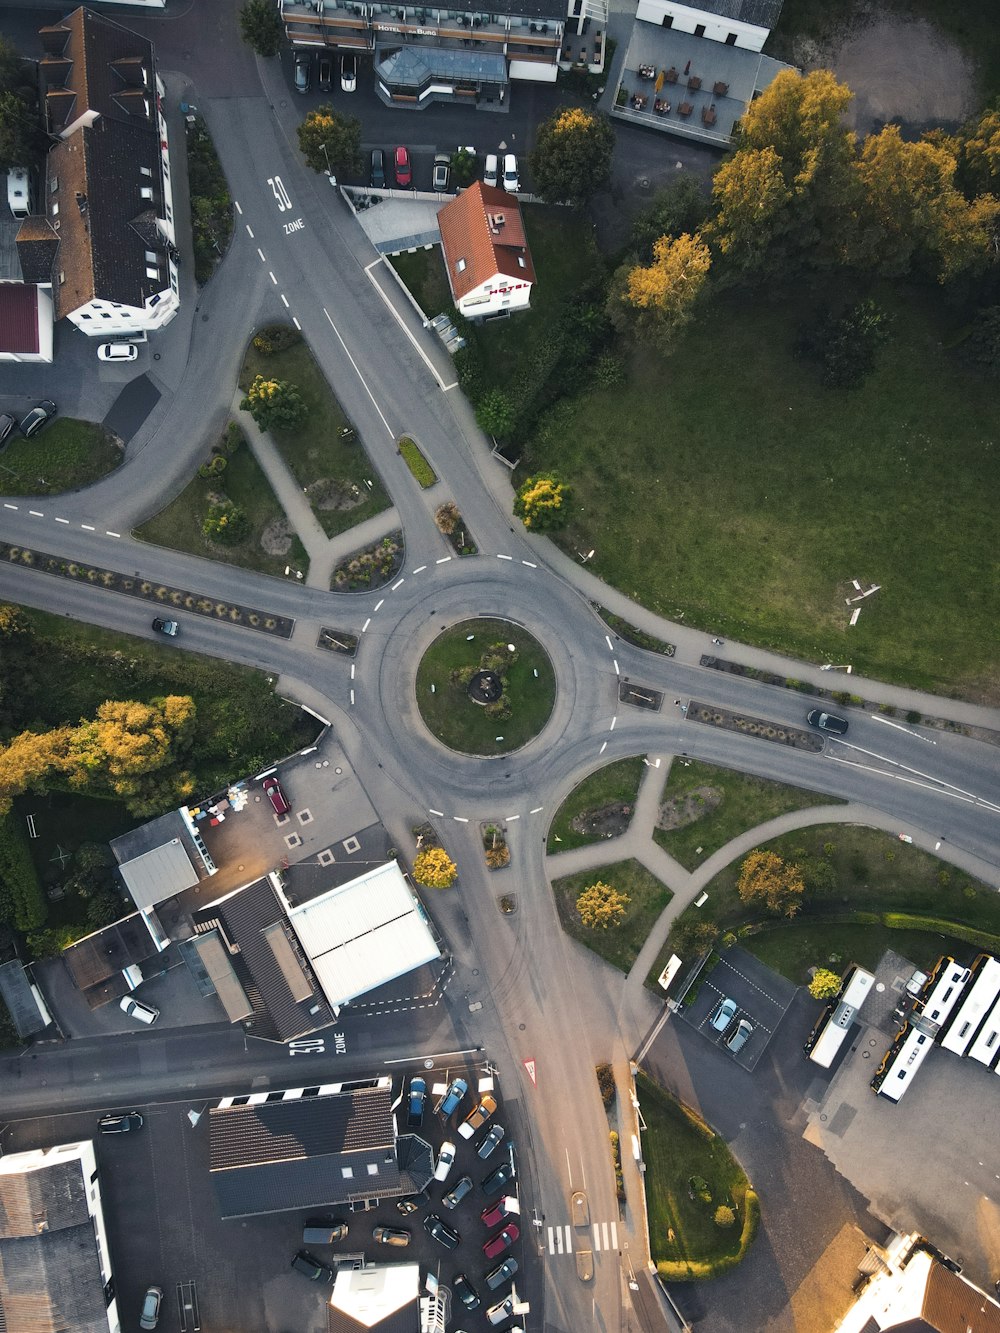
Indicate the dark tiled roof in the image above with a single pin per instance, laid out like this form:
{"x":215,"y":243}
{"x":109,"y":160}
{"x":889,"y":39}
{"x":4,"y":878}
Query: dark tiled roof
{"x":16,"y":991}
{"x":761,"y":13}
{"x":37,"y":246}
{"x":406,"y":1320}
{"x":18,"y":318}
{"x":98,"y":957}
{"x":952,"y":1305}
{"x":93,"y":63}
{"x":263,"y":969}
{"x":292,"y":1153}
{"x":50,"y":1199}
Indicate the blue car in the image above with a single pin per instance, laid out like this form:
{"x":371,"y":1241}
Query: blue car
{"x":452,"y":1098}
{"x":418,"y":1095}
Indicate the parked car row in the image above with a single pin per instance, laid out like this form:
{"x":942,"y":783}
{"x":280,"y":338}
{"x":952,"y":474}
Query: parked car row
{"x":723,"y":1020}
{"x":29,"y":425}
{"x":508,"y":176}
{"x":303,"y":63}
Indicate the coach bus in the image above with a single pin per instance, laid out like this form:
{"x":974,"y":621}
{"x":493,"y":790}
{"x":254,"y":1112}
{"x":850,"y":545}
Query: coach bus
{"x":904,"y":1057}
{"x":831,"y":1031}
{"x":980,"y":996}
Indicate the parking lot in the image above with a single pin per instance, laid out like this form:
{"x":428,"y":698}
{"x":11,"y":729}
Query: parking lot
{"x":758,"y":996}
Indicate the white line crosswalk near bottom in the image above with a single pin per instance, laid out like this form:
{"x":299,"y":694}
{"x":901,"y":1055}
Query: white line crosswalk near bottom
{"x":560,"y":1240}
{"x":605,"y":1237}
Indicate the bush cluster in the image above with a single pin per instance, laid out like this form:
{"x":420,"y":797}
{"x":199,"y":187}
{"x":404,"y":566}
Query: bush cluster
{"x":22,"y":901}
{"x":606,"y":1083}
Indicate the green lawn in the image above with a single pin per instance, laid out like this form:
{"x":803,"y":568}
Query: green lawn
{"x":424,"y":275}
{"x":746,"y":802}
{"x":315,"y":451}
{"x":66,"y":456}
{"x":619,"y":945}
{"x":616,"y":783}
{"x":676,"y":1145}
{"x":794,"y":948}
{"x":179,"y":525}
{"x":747,"y":510}
{"x":463,"y":725}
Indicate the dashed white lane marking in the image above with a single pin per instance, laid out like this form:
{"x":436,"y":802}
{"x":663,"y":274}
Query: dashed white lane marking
{"x":261,"y":253}
{"x":35,"y":513}
{"x":443,"y":561}
{"x":419,"y":569}
{"x":537,"y":810}
{"x":238,"y":209}
{"x":352,"y":698}
{"x":109,"y":533}
{"x":603,"y":748}
{"x":607,"y":640}
{"x":366,"y":624}
{"x":284,"y":299}
{"x":379,"y":603}
{"x":618,"y":670}
{"x":62,"y":520}
{"x":272,"y":277}
{"x":505,"y":557}
{"x":613,"y":721}
{"x":9,"y":506}
{"x":398,"y":583}
{"x":460,"y":819}
{"x":88,"y":527}
{"x":510,"y":818}
{"x":529,"y":563}
{"x":249,"y":231}
{"x":437,"y":812}
{"x":297,"y":324}
{"x":352,"y":670}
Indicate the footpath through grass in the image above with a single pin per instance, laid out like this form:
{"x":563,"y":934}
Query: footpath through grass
{"x":678,"y":1149}
{"x":619,"y":945}
{"x":615,"y":784}
{"x":718,"y":805}
{"x":65,"y":456}
{"x":748,"y":510}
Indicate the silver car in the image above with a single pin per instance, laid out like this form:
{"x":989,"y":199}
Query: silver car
{"x":724,"y":1014}
{"x":151,"y":1307}
{"x":740,"y":1036}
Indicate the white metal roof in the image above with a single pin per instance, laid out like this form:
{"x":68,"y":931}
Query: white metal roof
{"x":158,"y":874}
{"x":364,"y":933}
{"x":373,"y":1293}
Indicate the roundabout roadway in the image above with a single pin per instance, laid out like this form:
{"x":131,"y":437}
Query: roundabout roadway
{"x":546,"y":1003}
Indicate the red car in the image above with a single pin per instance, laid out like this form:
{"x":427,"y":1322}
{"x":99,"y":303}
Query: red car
{"x":404,"y":175}
{"x":503,"y":1240}
{"x":497,"y":1213}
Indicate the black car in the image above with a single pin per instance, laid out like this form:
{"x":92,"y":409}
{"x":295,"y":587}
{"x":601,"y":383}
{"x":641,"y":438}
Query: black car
{"x":165,"y":626}
{"x":324,"y":76}
{"x":466,"y":1292}
{"x":492,"y":1140}
{"x":415,"y":1201}
{"x":120,"y":1124}
{"x":496,"y":1180}
{"x":830,"y":722}
{"x":455,"y":1195}
{"x":7,"y":424}
{"x":502,"y":1274}
{"x":442,"y":1232}
{"x":303,"y":63}
{"x":378,"y":169}
{"x":310,"y":1267}
{"x":37,"y":417}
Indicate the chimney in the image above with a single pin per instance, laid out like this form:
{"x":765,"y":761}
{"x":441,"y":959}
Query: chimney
{"x":81,"y":203}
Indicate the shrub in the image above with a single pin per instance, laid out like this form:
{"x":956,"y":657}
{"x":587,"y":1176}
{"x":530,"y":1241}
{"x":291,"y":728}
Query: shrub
{"x":698,"y":1188}
{"x":609,"y":370}
{"x":226,"y":523}
{"x":825,"y":984}
{"x":846,"y":345}
{"x":616,"y":1157}
{"x":435,"y":869}
{"x":724,"y":1216}
{"x":600,"y":905}
{"x":22,"y":901}
{"x":606,"y":1083}
{"x":541,"y":502}
{"x":447,"y":517}
{"x":498,"y":857}
{"x":263,"y":344}
{"x":416,"y":462}
{"x":495,"y":414}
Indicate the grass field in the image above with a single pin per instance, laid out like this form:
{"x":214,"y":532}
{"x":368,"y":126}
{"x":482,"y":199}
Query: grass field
{"x":315,"y":450}
{"x":619,"y":945}
{"x":793,"y":948}
{"x":748,"y":512}
{"x":66,"y":456}
{"x":677,"y":1145}
{"x":463,"y":725}
{"x":178,"y":527}
{"x":616,"y":783}
{"x":424,"y":275}
{"x":746,"y":802}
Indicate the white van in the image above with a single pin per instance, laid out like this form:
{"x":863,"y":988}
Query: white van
{"x":19,"y":192}
{"x":492,"y":170}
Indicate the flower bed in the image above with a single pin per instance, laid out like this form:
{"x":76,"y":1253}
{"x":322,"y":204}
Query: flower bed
{"x":371,"y":567}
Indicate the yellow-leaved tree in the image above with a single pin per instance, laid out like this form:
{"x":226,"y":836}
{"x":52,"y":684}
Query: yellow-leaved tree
{"x":656,"y":300}
{"x":767,"y":880}
{"x":435,"y":868}
{"x":601,"y":906}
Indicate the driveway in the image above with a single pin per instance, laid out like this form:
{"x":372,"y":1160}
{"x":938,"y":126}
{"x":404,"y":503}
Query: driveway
{"x":761,"y":996}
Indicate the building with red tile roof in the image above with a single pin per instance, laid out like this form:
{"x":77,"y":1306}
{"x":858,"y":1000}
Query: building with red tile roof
{"x":486,"y":252}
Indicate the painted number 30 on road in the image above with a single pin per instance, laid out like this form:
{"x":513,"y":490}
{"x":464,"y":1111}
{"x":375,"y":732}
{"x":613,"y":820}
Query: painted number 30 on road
{"x":284,"y":204}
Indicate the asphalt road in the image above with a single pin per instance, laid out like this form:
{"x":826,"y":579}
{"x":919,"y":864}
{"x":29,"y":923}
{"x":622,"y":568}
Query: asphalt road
{"x":542,"y":1000}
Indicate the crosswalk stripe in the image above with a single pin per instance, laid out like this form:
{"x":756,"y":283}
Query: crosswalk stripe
{"x":614,"y":1235}
{"x":607,"y":1244}
{"x":569,"y":1241}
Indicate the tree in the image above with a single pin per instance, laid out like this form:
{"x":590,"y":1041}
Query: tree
{"x":679,"y":206}
{"x":540,"y":502}
{"x":767,"y":880}
{"x":978,"y":149}
{"x":330,"y":141}
{"x":846,"y":345}
{"x":602,"y":906}
{"x":571,"y":159}
{"x":464,"y":166}
{"x":698,"y":936}
{"x":274,"y":403}
{"x":21,"y":137}
{"x":260,"y":24}
{"x":226,"y":523}
{"x":435,"y":868}
{"x":752,"y":209}
{"x":983,"y":344}
{"x":495,"y":414}
{"x":825,"y":984}
{"x":656,"y":300}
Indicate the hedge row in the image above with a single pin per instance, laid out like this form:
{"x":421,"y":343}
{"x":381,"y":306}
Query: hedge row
{"x":416,"y":462}
{"x":698,"y":1270}
{"x":22,"y":901}
{"x":982,"y":939}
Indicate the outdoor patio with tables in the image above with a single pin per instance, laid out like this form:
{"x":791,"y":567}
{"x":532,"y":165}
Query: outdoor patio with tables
{"x":688,"y":85}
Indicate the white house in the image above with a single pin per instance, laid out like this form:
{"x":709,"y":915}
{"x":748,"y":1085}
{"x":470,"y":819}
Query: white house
{"x":486,"y":253}
{"x":743,"y":23}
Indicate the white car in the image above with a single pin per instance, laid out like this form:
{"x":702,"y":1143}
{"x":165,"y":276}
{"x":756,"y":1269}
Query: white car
{"x":445,"y":1161}
{"x":117,"y":352}
{"x":511,"y":182}
{"x":145,"y":1013}
{"x":490,"y":170}
{"x":349,"y":72}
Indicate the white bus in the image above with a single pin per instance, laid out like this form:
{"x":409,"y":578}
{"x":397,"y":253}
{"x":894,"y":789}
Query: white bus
{"x":944,"y":989}
{"x":942,"y":993}
{"x":831,"y":1031}
{"x":986,"y":1047}
{"x":895,"y":1074}
{"x":980,"y":997}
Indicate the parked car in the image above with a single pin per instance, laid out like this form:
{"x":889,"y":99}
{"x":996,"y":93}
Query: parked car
{"x":404,"y":172}
{"x":349,"y":72}
{"x":37,"y":417}
{"x":117,"y":352}
{"x":511,"y":180}
{"x":476,"y":1117}
{"x":122,"y":1123}
{"x":310,"y":1267}
{"x":378,"y":169}
{"x":323,"y":1231}
{"x":445,"y":1161}
{"x":503,"y":1240}
{"x":837,"y":726}
{"x":465,"y":1292}
{"x":461,"y":1188}
{"x":496,"y":1180}
{"x":496,"y":1277}
{"x":165,"y":626}
{"x":725,"y":1012}
{"x":491,"y":170}
{"x":7,"y":424}
{"x":144,"y":1013}
{"x":324,"y":75}
{"x":495,"y":1213}
{"x":415,"y":1201}
{"x":302,"y":61}
{"x":452,"y":1099}
{"x":418,"y":1095}
{"x":491,"y":1141}
{"x":442,"y":172}
{"x":496,"y":1314}
{"x":443,"y":1233}
{"x":279,"y":802}
{"x":150,"y":1314}
{"x":740,"y":1036}
{"x":391,"y":1235}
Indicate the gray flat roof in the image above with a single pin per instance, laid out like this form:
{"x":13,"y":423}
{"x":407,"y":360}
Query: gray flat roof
{"x":20,"y":999}
{"x":159,"y":873}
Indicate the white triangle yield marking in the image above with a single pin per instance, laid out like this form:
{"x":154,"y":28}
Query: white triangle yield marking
{"x":597,"y":1235}
{"x":569,"y":1241}
{"x":607,"y":1243}
{"x":614,"y":1235}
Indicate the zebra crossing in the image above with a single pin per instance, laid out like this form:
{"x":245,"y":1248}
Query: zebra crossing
{"x":604,"y":1237}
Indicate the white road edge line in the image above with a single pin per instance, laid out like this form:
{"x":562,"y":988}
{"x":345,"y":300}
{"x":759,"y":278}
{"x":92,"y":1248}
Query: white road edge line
{"x":876,"y":717}
{"x":399,"y":320}
{"x":452,"y":385}
{"x":358,"y":373}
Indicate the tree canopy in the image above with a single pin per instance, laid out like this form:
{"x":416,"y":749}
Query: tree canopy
{"x":768,"y":881}
{"x":540,"y":502}
{"x":274,"y":403}
{"x":571,"y":159}
{"x":825,"y":984}
{"x":330,"y":141}
{"x":601,"y":906}
{"x":260,"y":24}
{"x":656,"y":300}
{"x":434,"y":868}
